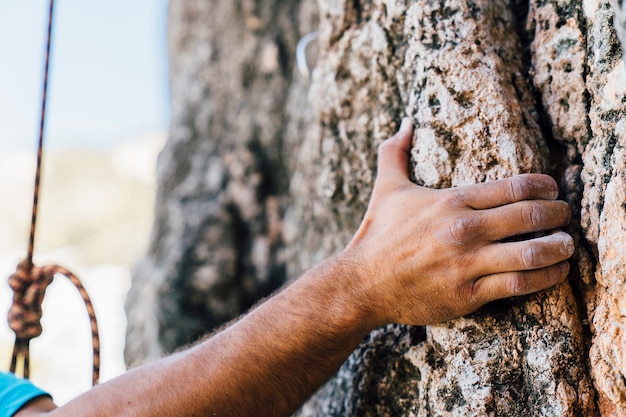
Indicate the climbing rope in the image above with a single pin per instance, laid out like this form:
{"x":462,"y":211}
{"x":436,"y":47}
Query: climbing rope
{"x":29,"y":282}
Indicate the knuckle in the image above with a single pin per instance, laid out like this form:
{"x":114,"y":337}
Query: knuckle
{"x":470,"y":293}
{"x":385,"y":146}
{"x":382,"y":146}
{"x":556,"y":274}
{"x":551,"y":275}
{"x":516,"y":284}
{"x":519,"y":188}
{"x":533,"y":214}
{"x":462,"y":228}
{"x":530,"y":256}
{"x":457,"y":197}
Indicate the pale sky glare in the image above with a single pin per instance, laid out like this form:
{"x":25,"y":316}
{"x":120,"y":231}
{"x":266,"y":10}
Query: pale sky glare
{"x":108,"y":74}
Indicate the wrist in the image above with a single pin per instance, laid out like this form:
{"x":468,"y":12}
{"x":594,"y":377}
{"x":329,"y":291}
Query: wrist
{"x":37,"y":407}
{"x":345,"y":292}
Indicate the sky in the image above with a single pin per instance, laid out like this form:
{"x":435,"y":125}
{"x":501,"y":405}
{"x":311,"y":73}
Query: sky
{"x":108,"y":72}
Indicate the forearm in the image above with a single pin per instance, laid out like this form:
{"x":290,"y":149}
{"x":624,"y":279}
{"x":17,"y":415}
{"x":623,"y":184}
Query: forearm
{"x":38,"y":407}
{"x":266,"y":364}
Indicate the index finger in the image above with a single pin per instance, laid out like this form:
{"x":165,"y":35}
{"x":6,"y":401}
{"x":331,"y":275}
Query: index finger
{"x":510,"y":190}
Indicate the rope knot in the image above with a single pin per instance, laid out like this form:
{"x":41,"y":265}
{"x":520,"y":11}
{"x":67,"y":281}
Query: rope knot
{"x":29,"y":284}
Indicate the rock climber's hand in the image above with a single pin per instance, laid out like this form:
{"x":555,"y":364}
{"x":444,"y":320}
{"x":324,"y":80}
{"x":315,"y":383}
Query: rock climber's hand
{"x":428,"y":255}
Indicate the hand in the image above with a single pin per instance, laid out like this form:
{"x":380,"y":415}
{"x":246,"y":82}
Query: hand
{"x":428,"y":255}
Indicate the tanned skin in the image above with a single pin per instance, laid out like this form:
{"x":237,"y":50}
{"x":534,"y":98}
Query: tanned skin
{"x":420,"y":256}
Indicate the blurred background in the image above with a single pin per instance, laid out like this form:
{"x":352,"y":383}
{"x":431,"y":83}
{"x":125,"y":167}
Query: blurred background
{"x":108,"y":114}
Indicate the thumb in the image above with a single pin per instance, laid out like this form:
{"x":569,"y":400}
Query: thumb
{"x":393,"y":154}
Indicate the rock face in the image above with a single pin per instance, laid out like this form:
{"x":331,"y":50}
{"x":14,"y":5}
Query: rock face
{"x":495,"y":88}
{"x":217,"y":243}
{"x":620,"y":21}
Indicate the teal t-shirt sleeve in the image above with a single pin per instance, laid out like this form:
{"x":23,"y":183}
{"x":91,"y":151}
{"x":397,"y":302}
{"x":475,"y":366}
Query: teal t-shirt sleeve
{"x":15,"y":392}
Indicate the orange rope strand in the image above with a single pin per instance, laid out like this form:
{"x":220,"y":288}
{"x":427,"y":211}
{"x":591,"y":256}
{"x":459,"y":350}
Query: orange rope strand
{"x":29,"y":282}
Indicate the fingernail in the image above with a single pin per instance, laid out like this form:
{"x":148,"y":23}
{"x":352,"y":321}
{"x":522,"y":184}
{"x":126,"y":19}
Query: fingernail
{"x":552,"y":191}
{"x":567,"y":247}
{"x":405,"y":124}
{"x":566,"y":211}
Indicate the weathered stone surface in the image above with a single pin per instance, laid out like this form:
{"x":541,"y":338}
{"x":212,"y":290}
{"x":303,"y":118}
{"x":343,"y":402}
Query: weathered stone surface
{"x":217,"y":245}
{"x":494,"y":88}
{"x":333,"y":177}
{"x":555,"y":30}
{"x":608,"y":352}
{"x":620,"y":22}
{"x":583,"y":90}
{"x":457,"y":69}
{"x":604,"y":213}
{"x":474,"y":113}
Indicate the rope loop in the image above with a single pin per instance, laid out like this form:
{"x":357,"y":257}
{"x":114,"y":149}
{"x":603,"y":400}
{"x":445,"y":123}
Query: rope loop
{"x":29,"y":284}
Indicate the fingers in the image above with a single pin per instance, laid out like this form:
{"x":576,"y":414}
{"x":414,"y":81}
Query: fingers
{"x":519,"y":268}
{"x":509,"y":284}
{"x":520,"y":187}
{"x":524,"y":255}
{"x":492,"y":225}
{"x":393,"y":154}
{"x":524,"y":217}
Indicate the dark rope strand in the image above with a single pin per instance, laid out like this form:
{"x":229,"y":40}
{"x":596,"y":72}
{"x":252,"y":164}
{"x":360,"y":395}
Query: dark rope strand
{"x":21,"y":350}
{"x":21,"y":346}
{"x":95,"y":336}
{"x":26,"y":353}
{"x":29,"y":282}
{"x":31,"y":240}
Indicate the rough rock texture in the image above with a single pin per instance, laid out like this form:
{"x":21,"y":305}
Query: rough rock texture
{"x":604,"y":204}
{"x":620,"y":21}
{"x":355,"y":108}
{"x":495,"y":88}
{"x":217,"y":244}
{"x":456,"y":67}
